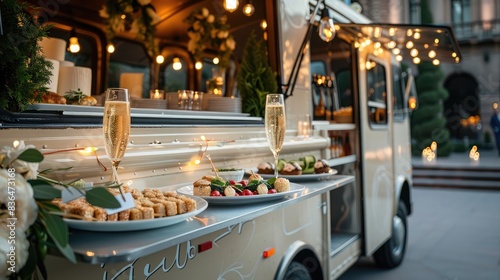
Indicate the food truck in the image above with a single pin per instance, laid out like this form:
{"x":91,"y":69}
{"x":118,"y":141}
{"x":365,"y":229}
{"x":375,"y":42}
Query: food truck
{"x":348,"y":102}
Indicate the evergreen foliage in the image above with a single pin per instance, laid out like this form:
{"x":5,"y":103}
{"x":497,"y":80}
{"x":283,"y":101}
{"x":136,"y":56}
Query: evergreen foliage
{"x":24,"y":72}
{"x":427,"y":121}
{"x":255,"y":77}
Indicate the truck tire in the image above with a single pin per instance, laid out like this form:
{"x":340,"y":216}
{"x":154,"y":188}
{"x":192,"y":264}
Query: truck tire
{"x":392,"y":253}
{"x":297,"y":271}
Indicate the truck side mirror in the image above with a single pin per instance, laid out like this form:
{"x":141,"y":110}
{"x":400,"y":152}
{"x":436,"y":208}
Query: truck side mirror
{"x":410,"y":90}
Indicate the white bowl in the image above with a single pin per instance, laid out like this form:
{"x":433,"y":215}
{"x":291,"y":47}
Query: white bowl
{"x":236,"y":175}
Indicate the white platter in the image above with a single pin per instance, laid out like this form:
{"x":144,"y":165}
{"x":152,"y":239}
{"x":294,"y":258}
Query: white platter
{"x":99,"y":110}
{"x":244,"y":199}
{"x":299,"y":178}
{"x":201,"y":205}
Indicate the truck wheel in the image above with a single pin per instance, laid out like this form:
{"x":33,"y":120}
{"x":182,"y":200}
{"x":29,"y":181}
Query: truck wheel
{"x":391,"y":254}
{"x":297,"y":271}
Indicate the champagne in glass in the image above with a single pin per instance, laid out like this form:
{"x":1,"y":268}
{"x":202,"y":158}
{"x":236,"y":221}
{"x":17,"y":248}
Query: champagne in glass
{"x":116,"y":126}
{"x":275,"y":121}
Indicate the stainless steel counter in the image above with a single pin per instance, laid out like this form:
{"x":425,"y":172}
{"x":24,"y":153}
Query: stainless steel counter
{"x":110,"y":247}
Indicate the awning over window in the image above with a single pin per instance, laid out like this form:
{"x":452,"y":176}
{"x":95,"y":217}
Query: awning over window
{"x":409,"y":42}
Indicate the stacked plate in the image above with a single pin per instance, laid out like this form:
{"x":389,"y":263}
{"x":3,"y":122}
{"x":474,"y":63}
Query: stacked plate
{"x":225,"y":104}
{"x":149,"y":103}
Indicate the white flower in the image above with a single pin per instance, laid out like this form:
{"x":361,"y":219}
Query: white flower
{"x":26,"y":208}
{"x":4,"y":250}
{"x":222,"y":34}
{"x":134,"y":27}
{"x":204,"y":12}
{"x":196,"y":26}
{"x":128,"y":9}
{"x":153,"y":15}
{"x":10,"y":155}
{"x":103,"y":12}
{"x":213,"y":33}
{"x":21,"y":251}
{"x":210,"y":18}
{"x":144,"y":2}
{"x":191,"y":46}
{"x":231,"y":43}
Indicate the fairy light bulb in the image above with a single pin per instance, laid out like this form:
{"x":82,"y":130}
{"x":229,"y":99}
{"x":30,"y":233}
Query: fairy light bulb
{"x":436,"y":62}
{"x":176,"y":64}
{"x":248,"y":9}
{"x":326,"y":28}
{"x":110,"y":48}
{"x":409,"y":44}
{"x":416,"y":60}
{"x":74,"y":46}
{"x":263,"y":24}
{"x":432,"y":54}
{"x":160,"y":59}
{"x":231,"y":5}
{"x":198,"y":65}
{"x":215,"y":60}
{"x":414,"y":52}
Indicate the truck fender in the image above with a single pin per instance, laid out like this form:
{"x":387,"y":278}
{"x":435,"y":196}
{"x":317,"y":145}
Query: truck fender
{"x":403,"y":193}
{"x":302,"y":253}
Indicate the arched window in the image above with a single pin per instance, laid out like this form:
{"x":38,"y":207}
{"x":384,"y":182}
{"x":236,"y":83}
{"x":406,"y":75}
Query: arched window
{"x":129,"y":67}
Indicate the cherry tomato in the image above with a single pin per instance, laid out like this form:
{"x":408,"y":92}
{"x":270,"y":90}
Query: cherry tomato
{"x":232,"y":182}
{"x":215,"y":193}
{"x":255,"y":192}
{"x":271,"y":191}
{"x":247,"y":192}
{"x":243,"y":183}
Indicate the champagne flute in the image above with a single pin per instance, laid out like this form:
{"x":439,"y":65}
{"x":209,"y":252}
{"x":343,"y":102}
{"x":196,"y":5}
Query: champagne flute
{"x":275,"y":121}
{"x":116,"y":126}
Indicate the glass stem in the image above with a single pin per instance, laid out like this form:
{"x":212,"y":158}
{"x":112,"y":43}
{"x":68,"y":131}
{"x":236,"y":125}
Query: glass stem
{"x":114,"y":167}
{"x":276,"y":165}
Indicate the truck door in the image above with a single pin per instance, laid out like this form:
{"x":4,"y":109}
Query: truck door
{"x":374,"y":70}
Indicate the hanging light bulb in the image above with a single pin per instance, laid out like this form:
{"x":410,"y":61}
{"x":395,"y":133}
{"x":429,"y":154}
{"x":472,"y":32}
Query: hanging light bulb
{"x":110,"y":48}
{"x":263,"y":24}
{"x":160,"y":59}
{"x":248,"y":9}
{"x":74,"y":46}
{"x":326,"y":28}
{"x":215,"y":60}
{"x":198,"y":65}
{"x":176,"y":64}
{"x":231,"y":5}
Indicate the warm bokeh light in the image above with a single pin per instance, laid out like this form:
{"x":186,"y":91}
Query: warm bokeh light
{"x":110,"y":48}
{"x":176,"y":64}
{"x":160,"y":59}
{"x":231,"y":5}
{"x":198,"y":65}
{"x":215,"y":60}
{"x":248,"y":9}
{"x":432,"y":54}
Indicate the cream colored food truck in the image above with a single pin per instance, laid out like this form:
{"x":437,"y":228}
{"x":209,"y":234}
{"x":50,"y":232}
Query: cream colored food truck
{"x":352,"y":87}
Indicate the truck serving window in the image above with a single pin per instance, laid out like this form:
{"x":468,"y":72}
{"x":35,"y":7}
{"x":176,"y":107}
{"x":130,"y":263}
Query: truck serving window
{"x":377,"y":93}
{"x":397,"y":94}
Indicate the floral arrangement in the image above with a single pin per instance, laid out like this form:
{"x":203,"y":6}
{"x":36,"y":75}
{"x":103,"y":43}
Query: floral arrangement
{"x":29,"y":223}
{"x":208,"y":31}
{"x":135,"y":16}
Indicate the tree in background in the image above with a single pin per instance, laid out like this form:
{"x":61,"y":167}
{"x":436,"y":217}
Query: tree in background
{"x":255,"y":77}
{"x":427,"y":121}
{"x":24,"y":72}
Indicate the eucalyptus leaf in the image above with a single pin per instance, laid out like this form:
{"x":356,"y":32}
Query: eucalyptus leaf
{"x":57,"y":229}
{"x":45,"y":192}
{"x":31,"y":155}
{"x":101,"y":197}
